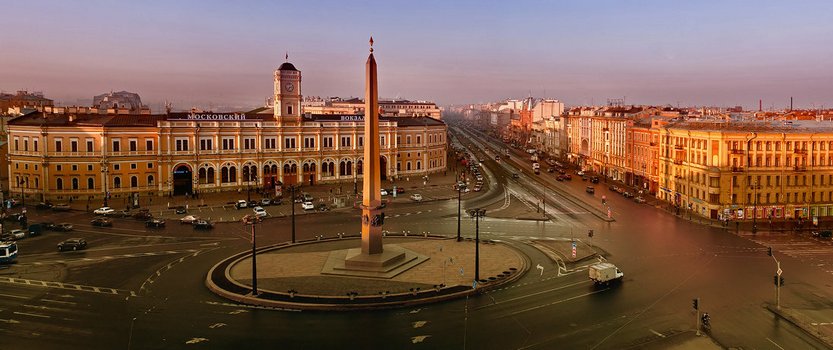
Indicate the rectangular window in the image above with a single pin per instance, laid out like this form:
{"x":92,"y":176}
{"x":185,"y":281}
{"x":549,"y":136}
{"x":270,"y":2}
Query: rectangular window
{"x":270,"y":143}
{"x":150,"y":165}
{"x":58,"y":167}
{"x":182,"y":144}
{"x":58,"y":145}
{"x":206,"y":144}
{"x":16,"y":144}
{"x":228,"y":143}
{"x":134,"y":145}
{"x":90,"y":145}
{"x":309,"y":142}
{"x":327,"y":142}
{"x":289,"y":143}
{"x":419,"y":140}
{"x":26,"y":144}
{"x":73,"y":145}
{"x":89,"y":167}
{"x":149,"y":144}
{"x":116,"y":145}
{"x":361,"y":141}
{"x":345,"y":141}
{"x":133,"y":166}
{"x":116,"y":167}
{"x":35,"y":144}
{"x":75,"y":167}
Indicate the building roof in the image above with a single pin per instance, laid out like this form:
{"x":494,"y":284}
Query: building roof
{"x":287,"y":66}
{"x":774,"y":126}
{"x":401,"y":121}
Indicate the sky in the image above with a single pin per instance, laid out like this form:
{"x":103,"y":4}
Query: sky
{"x":222,"y":54}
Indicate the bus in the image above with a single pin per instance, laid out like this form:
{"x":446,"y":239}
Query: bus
{"x":8,"y":252}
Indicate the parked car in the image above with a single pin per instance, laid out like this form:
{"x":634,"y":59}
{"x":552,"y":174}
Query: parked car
{"x":307,"y":206}
{"x":120,"y":214}
{"x":155,"y":223}
{"x":61,"y":207}
{"x":104,"y":211}
{"x":260,"y":212}
{"x":307,"y":197}
{"x":416,"y":197}
{"x":627,"y":194}
{"x":594,"y":179}
{"x":580,"y":173}
{"x":203,"y":225}
{"x":188,"y":219}
{"x":590,"y":189}
{"x":560,"y":177}
{"x":384,"y":192}
{"x":35,"y":229}
{"x":550,"y":170}
{"x":143,"y":215}
{"x":241,"y":204}
{"x":568,"y":177}
{"x":265,"y":201}
{"x":72,"y":244}
{"x":180,"y":210}
{"x":49,"y":225}
{"x":639,"y":200}
{"x":323,"y":207}
{"x":477,"y":188}
{"x":64,"y":226}
{"x":18,"y":234}
{"x":516,"y":176}
{"x":43,"y":205}
{"x":253,"y":203}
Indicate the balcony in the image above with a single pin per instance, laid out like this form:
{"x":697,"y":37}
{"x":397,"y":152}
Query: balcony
{"x":800,"y":151}
{"x":680,"y":147}
{"x":678,"y":161}
{"x":800,"y":168}
{"x":737,"y":169}
{"x":736,"y":151}
{"x":653,"y":143}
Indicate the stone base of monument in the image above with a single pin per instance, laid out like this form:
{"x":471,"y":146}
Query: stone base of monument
{"x":392,"y":261}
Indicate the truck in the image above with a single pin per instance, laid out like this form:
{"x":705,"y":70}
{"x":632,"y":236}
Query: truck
{"x":605,"y":273}
{"x":536,"y":168}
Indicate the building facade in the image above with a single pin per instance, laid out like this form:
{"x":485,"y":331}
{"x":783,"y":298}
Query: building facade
{"x":88,"y":156}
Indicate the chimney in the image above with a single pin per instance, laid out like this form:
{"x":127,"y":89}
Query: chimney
{"x":791,"y":103}
{"x":760,"y":105}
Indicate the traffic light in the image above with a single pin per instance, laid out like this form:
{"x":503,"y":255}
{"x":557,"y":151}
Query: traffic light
{"x":696,"y":303}
{"x":769,"y":251}
{"x":775,"y":279}
{"x":781,"y":281}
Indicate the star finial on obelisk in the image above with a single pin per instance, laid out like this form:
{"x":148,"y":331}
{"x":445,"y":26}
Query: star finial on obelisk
{"x":286,"y":56}
{"x":371,"y":44}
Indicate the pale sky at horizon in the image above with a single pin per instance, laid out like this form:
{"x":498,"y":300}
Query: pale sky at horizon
{"x":213,"y":53}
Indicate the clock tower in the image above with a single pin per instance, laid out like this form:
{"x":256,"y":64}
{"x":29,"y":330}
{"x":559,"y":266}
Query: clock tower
{"x":287,"y":94}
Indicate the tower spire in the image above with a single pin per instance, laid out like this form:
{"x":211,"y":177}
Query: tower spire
{"x":371,"y":44}
{"x":286,"y":56}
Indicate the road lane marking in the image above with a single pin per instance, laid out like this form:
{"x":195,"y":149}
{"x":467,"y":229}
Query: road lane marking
{"x":558,"y":302}
{"x":13,"y":296}
{"x":773,"y":343}
{"x":59,"y":302}
{"x":59,"y":285}
{"x":534,"y":294}
{"x":657,"y":333}
{"x":196,"y":340}
{"x":9,"y":321}
{"x":31,"y":314}
{"x":419,"y":339}
{"x":418,"y":324}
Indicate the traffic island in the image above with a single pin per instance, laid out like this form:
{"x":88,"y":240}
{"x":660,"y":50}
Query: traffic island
{"x":293,"y":276}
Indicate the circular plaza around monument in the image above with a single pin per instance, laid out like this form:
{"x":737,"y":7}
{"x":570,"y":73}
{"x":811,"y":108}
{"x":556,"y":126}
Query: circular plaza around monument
{"x":296,"y":276}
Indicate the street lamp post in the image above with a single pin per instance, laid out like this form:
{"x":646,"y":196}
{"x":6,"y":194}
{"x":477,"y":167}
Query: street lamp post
{"x":477,"y":214}
{"x":292,"y":203}
{"x":460,"y":186}
{"x":251,"y":220}
{"x":22,"y":195}
{"x":755,"y":187}
{"x":778,"y":280}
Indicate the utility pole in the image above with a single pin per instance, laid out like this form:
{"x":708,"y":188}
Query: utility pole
{"x":460,"y":186}
{"x":251,"y":220}
{"x":779,"y":281}
{"x":292,"y":203}
{"x":477,"y":214}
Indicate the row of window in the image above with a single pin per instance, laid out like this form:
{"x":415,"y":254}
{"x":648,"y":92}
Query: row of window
{"x":74,"y":167}
{"x":75,"y":185}
{"x":74,"y":145}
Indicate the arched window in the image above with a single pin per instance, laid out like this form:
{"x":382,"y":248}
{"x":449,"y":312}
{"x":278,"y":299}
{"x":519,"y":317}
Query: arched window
{"x":36,"y":181}
{"x":224,"y":175}
{"x":286,"y":168}
{"x":332,"y":170}
{"x":116,"y":182}
{"x":342,"y":167}
{"x":150,"y":180}
{"x":134,"y":181}
{"x":324,"y":167}
{"x":74,"y":183}
{"x":245,"y":173}
{"x":360,"y":167}
{"x":253,"y":173}
{"x":349,"y":167}
{"x":59,"y":184}
{"x":232,"y":174}
{"x":408,"y":166}
{"x":201,"y":175}
{"x":306,"y":167}
{"x":211,"y":175}
{"x":419,"y":165}
{"x":274,"y":169}
{"x":90,"y":183}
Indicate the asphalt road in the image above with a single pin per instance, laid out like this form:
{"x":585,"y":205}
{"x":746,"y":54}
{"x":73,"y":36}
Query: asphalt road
{"x":137,"y":288}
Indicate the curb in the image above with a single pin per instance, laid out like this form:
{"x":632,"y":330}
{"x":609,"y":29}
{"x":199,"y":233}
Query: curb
{"x":796,"y":322}
{"x":283,"y":300}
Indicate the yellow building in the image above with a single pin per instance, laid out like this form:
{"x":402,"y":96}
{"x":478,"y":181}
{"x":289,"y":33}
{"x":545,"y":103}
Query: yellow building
{"x":741,"y":170}
{"x":78,"y":155}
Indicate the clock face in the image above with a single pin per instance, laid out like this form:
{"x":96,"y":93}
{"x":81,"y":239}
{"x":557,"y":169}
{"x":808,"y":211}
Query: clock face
{"x":289,"y":87}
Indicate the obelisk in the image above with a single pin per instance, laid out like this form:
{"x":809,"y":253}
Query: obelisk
{"x":372,"y":218}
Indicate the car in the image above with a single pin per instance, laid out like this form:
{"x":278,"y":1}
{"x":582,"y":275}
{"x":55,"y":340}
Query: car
{"x":594,"y":179}
{"x":416,"y":197}
{"x":627,"y":194}
{"x":307,"y":206}
{"x":477,"y":188}
{"x":49,"y":225}
{"x":104,"y":211}
{"x":384,"y":192}
{"x":590,"y":189}
{"x":72,"y":244}
{"x":64,"y":226}
{"x":307,"y":197}
{"x":61,"y":207}
{"x":202,"y":225}
{"x":101,"y":222}
{"x":143,"y":215}
{"x":18,"y":234}
{"x":275,"y":201}
{"x":188,"y":219}
{"x":560,"y":178}
{"x":260,"y":212}
{"x":43,"y":205}
{"x":639,"y":200}
{"x":568,"y":177}
{"x":155,"y":223}
{"x":35,"y":229}
{"x":120,"y":214}
{"x":550,"y":170}
{"x":253,"y":203}
{"x":241,"y":204}
{"x":180,"y":210}
{"x":398,"y":190}
{"x":516,"y":176}
{"x":580,"y":173}
{"x":265,"y":201}
{"x":15,"y":217}
{"x":323,"y":207}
